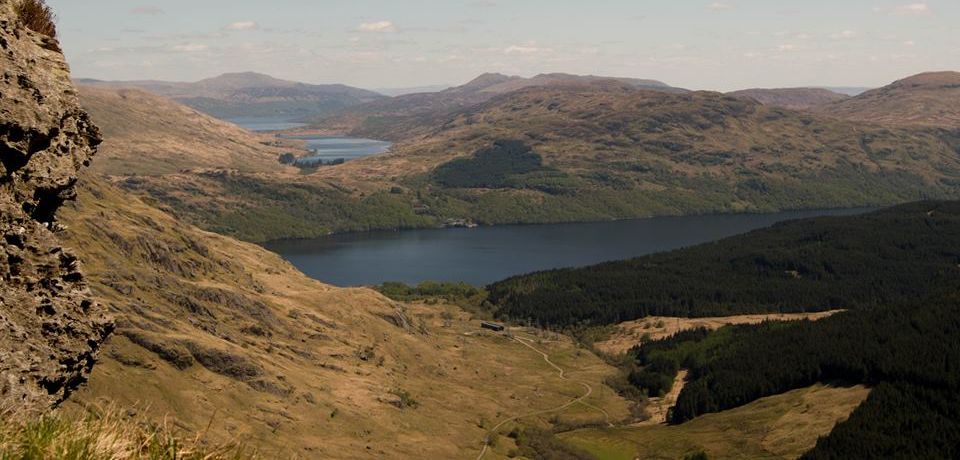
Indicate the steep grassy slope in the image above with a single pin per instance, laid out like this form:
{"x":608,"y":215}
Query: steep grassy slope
{"x":791,"y":98}
{"x":250,"y":94}
{"x":223,"y":178}
{"x":147,"y":134}
{"x":212,"y":331}
{"x":925,"y":100}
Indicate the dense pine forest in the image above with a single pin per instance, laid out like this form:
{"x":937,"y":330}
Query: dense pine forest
{"x":908,"y":354}
{"x":897,"y":271}
{"x":886,"y":257}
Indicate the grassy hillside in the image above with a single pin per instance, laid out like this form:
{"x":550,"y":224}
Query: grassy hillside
{"x":623,"y":153}
{"x":778,"y":427}
{"x":407,"y":116}
{"x":603,"y":150}
{"x":817,"y":264}
{"x":225,"y":337}
{"x":791,"y":98}
{"x":145,"y":134}
{"x":925,"y":100}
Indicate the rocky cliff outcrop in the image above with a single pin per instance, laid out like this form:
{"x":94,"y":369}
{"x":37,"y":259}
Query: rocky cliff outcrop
{"x":50,"y":327}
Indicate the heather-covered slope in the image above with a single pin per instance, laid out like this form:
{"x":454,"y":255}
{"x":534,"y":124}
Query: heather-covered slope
{"x":925,"y":100}
{"x":609,"y":151}
{"x":150,"y":135}
{"x":406,"y":116}
{"x":791,"y":98}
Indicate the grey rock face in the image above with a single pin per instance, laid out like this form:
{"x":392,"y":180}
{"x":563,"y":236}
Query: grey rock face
{"x":50,"y":327}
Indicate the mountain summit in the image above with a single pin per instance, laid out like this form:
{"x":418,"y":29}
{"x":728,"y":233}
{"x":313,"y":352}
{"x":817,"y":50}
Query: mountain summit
{"x":928,"y":99}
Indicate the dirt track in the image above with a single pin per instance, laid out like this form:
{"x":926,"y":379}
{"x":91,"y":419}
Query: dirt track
{"x":546,"y":358}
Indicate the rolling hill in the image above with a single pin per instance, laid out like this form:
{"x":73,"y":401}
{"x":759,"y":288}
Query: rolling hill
{"x":148,"y":134}
{"x":251,"y":95}
{"x":612,"y":151}
{"x":925,"y":100}
{"x":791,"y":98}
{"x":590,"y":151}
{"x":405,"y":116}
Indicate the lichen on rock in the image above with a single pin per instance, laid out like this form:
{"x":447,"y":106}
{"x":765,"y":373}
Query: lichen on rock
{"x":50,"y":326}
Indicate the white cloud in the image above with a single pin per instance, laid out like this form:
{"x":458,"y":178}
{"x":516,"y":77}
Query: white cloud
{"x":845,"y":35}
{"x":528,"y":48}
{"x":378,"y":26}
{"x":917,"y":9}
{"x":719,"y":6}
{"x":909,"y":43}
{"x":910,"y":9}
{"x":243,"y":25}
{"x":147,"y":10}
{"x":190,"y":48}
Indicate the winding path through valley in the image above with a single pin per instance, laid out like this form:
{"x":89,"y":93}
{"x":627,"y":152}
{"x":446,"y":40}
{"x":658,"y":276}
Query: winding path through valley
{"x":580,"y":399}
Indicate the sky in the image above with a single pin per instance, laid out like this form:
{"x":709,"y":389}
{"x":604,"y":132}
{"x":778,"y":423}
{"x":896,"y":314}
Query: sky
{"x":699,"y":44}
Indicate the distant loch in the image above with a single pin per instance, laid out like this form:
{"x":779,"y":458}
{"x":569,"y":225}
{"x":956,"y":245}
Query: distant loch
{"x":486,"y":254}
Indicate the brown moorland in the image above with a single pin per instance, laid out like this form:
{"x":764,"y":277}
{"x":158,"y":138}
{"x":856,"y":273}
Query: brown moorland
{"x":926,"y":100}
{"x":791,"y":98}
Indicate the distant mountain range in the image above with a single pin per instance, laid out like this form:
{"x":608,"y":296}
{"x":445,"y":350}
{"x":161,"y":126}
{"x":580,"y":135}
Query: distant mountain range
{"x":394,"y":92}
{"x":847,"y":90}
{"x":402,"y":116}
{"x":251,"y":95}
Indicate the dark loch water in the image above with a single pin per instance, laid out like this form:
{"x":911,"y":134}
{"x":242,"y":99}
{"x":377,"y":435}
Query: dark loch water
{"x":486,"y":254}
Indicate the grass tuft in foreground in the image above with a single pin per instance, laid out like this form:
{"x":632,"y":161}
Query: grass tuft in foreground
{"x":106,"y":435}
{"x":37,"y":16}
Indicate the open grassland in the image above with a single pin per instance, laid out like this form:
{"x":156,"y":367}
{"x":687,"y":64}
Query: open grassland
{"x":783,"y":426}
{"x":629,"y":334}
